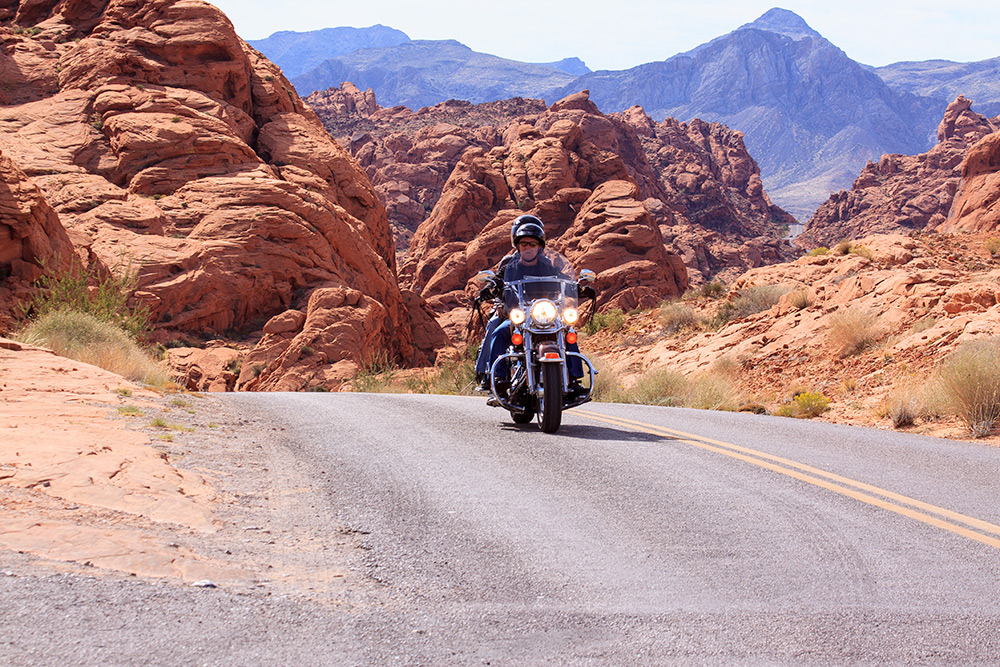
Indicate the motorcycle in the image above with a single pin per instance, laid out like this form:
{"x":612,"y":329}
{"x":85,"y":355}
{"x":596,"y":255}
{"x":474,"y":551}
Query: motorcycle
{"x":543,"y":316}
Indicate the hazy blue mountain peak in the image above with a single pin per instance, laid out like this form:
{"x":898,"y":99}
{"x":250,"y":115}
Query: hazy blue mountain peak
{"x":784,"y":22}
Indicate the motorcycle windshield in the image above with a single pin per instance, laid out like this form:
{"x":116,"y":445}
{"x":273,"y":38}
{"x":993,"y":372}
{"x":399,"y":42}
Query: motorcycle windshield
{"x":549,"y":275}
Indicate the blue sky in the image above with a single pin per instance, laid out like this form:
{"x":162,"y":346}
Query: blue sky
{"x":640,"y":31}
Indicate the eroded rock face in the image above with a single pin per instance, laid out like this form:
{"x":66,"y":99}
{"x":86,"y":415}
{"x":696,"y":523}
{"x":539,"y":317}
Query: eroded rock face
{"x":162,"y":140}
{"x":714,"y":213}
{"x":903,"y":193}
{"x":409,"y":155}
{"x":30,"y":237}
{"x":566,"y":167}
{"x":975,"y":208}
{"x":697,"y":180}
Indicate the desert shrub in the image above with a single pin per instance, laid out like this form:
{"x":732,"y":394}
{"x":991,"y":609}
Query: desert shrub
{"x":748,"y":301}
{"x":712,"y":290}
{"x":85,"y":338}
{"x":103,"y":297}
{"x":903,"y":404}
{"x":608,"y":384}
{"x":968,"y":381}
{"x":842,"y":248}
{"x":818,"y":252}
{"x":851,"y":330}
{"x":992,"y":245}
{"x":805,"y":405}
{"x":801,"y":299}
{"x":659,"y":387}
{"x":674,"y":317}
{"x":376,"y":374}
{"x":612,"y":320}
{"x":714,"y":391}
{"x":861,"y":251}
{"x":453,"y":377}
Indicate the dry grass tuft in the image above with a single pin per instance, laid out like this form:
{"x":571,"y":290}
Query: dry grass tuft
{"x":852,"y":330}
{"x":968,"y":385}
{"x":85,"y":338}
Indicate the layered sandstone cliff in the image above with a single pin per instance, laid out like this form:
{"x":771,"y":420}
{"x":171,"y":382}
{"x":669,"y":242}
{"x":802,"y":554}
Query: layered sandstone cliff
{"x":161,"y":140}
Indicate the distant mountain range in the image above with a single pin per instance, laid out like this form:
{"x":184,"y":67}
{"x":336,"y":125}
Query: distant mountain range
{"x":811,"y":116}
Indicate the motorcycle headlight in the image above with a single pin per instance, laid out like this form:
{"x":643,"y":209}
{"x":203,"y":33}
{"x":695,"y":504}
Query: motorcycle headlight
{"x":517,"y":316}
{"x":571,"y":316}
{"x":543,"y":312}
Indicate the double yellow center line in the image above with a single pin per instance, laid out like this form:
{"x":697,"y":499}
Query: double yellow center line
{"x":960,"y":524}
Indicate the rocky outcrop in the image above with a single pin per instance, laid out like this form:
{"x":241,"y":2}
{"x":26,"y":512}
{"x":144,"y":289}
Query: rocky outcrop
{"x":585,"y":175}
{"x":31,"y":238}
{"x":715,"y":212}
{"x":697,"y":179}
{"x":900,"y":192}
{"x":409,"y":155}
{"x":975,"y":208}
{"x":162,"y":140}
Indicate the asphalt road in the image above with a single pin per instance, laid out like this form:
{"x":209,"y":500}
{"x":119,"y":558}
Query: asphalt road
{"x":633,"y":535}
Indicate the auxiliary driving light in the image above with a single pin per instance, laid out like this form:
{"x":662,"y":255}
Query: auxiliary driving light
{"x":543,"y":312}
{"x":571,"y":316}
{"x":517,"y":316}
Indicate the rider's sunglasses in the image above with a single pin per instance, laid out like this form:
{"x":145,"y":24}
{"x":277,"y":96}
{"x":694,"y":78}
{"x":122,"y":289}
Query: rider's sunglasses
{"x":528,"y":244}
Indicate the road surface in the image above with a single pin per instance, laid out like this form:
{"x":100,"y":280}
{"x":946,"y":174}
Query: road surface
{"x":633,"y":535}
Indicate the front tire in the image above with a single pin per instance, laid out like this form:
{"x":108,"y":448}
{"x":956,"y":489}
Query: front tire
{"x":550,"y":405}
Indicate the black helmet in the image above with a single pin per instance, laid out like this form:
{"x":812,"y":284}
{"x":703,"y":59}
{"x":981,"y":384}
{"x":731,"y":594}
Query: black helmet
{"x":527,"y":225}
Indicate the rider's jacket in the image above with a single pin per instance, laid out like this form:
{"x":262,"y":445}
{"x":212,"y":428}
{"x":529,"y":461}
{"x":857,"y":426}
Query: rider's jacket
{"x":518,"y":270}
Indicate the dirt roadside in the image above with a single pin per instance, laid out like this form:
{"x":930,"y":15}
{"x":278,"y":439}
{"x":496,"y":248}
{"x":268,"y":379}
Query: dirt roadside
{"x":103,"y":477}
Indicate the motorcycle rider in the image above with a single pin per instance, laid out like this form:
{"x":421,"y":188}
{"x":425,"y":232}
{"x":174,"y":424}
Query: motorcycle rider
{"x":493,"y":290}
{"x":528,"y":236}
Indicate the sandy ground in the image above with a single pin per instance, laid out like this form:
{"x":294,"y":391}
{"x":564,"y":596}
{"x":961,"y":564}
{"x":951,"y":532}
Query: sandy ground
{"x":100,"y":475}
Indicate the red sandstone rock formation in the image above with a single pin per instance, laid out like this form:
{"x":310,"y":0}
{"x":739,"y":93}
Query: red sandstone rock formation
{"x":976,"y":207}
{"x":903,"y":193}
{"x":566,"y":166}
{"x":697,"y":180}
{"x":715,"y":213}
{"x":161,"y":138}
{"x":30,"y":237}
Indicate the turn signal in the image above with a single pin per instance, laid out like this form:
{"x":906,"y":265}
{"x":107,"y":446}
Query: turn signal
{"x":571,"y":338}
{"x":516,"y":338}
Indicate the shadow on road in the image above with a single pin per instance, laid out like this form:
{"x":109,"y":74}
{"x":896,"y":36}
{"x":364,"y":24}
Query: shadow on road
{"x":587,"y":432}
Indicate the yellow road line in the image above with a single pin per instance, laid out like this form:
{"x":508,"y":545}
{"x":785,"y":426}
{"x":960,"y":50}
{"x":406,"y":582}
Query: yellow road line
{"x":861,"y":491}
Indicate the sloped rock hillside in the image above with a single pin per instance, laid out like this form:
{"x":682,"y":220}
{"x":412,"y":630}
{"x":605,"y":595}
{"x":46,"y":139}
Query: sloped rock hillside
{"x":161,"y":141}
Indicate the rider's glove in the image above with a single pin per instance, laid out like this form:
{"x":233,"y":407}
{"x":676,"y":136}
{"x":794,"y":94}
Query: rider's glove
{"x":485,"y":294}
{"x":585,"y":292}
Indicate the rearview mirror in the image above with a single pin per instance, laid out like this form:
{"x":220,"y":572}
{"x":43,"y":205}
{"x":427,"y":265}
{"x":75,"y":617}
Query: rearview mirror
{"x":587,"y":276}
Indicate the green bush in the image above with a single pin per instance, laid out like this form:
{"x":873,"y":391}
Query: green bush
{"x":819,"y":252}
{"x":103,"y":297}
{"x":612,"y":320}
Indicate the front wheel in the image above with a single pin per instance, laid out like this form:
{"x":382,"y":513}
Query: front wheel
{"x":550,"y":405}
